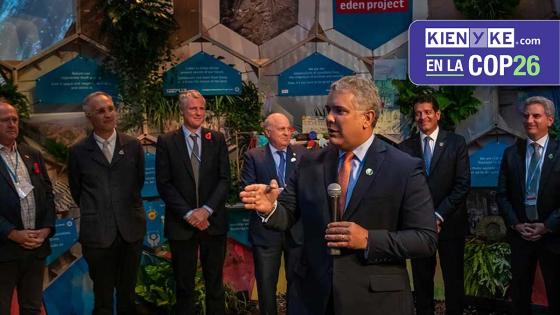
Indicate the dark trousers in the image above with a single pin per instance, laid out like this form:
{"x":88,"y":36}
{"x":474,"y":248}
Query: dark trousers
{"x":25,"y":274}
{"x":524,"y":257}
{"x":184,"y":259}
{"x":451,"y":254}
{"x":267,"y":267}
{"x":110,"y":269}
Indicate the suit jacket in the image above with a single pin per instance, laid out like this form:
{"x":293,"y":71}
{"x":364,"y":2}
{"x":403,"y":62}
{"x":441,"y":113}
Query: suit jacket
{"x":511,"y":190}
{"x":175,"y":182}
{"x":259,"y":167}
{"x":449,"y":179}
{"x":10,"y":211}
{"x":108,"y":194}
{"x":390,"y":200}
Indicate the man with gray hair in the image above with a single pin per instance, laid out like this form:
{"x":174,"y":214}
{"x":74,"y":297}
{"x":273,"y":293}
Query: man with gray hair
{"x":385,"y":209}
{"x":192,"y":175}
{"x":528,"y":199}
{"x":106,"y":175}
{"x":27,"y":217}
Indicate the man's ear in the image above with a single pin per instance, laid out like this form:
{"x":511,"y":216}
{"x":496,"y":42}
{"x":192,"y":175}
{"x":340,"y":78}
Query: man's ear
{"x":369,"y":119}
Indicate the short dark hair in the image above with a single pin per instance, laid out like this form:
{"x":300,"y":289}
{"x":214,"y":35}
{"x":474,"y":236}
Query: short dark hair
{"x":426,"y":98}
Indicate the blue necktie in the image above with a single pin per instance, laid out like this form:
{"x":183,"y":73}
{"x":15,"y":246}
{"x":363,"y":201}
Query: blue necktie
{"x":281,"y":168}
{"x":533,"y":178}
{"x":427,"y":154}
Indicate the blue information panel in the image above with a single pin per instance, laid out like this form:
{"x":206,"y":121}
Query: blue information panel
{"x":73,"y":81}
{"x":485,"y":164}
{"x":311,"y":76}
{"x":150,"y":188}
{"x":155,"y":212}
{"x":71,"y":292}
{"x":65,"y":237}
{"x":484,"y":52}
{"x":204,"y":73}
{"x":238,"y":218}
{"x":372,"y":23}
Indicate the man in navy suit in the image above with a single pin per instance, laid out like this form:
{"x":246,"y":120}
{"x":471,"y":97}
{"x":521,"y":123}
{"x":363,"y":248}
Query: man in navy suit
{"x":527,"y":196}
{"x":276,"y":160}
{"x":27,"y":217}
{"x":447,"y":169}
{"x":385,"y":206}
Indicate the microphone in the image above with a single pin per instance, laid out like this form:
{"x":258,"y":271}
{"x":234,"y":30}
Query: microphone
{"x":334,"y":191}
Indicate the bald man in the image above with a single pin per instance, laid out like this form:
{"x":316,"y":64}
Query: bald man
{"x":276,"y":160}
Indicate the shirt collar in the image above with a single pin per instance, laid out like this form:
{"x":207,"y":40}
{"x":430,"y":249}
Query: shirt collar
{"x":111,"y":139}
{"x":433,"y":136}
{"x":188,"y":133}
{"x":542,"y":141}
{"x":360,"y":151}
{"x":274,"y":150}
{"x":13,"y":149}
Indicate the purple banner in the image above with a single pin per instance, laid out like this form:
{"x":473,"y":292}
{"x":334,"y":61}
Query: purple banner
{"x":484,"y":52}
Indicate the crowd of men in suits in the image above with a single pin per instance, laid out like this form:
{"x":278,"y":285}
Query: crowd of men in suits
{"x":393,"y":204}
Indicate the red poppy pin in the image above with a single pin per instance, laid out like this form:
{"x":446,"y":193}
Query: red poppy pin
{"x":208,"y":136}
{"x":36,"y":169}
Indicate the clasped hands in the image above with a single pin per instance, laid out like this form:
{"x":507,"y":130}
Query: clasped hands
{"x":531,"y":231}
{"x":199,"y":219}
{"x":29,"y":239}
{"x":343,"y":234}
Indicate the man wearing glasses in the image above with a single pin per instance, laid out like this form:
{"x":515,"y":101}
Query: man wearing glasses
{"x":192,"y":174}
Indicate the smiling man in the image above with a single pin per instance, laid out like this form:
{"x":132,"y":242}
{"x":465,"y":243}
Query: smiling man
{"x":385,"y":208}
{"x":527,"y":196}
{"x":106,"y":174}
{"x":448,"y":173}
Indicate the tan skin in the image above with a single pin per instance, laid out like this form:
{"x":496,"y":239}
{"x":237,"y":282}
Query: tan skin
{"x":102,"y":116}
{"x":278,"y":130}
{"x":348,"y":128}
{"x":427,"y":119}
{"x":194,"y":111}
{"x":9,"y":130}
{"x":536,"y":124}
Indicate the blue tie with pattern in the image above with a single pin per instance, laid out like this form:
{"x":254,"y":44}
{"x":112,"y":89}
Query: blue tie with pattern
{"x":427,"y":154}
{"x":281,"y":168}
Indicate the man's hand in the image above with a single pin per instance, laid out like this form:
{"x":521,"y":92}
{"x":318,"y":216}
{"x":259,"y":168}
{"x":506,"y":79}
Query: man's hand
{"x":260,"y":197}
{"x":537,"y":230}
{"x":199,"y":218}
{"x":527,"y":232}
{"x":28,"y":239}
{"x":438,"y":225}
{"x":347,"y":235}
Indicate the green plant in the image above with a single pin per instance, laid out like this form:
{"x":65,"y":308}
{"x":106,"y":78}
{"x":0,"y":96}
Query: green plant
{"x":58,"y":150}
{"x":156,"y":284}
{"x":456,"y":103}
{"x":9,"y":92}
{"x":139,"y":32}
{"x":486,"y":9}
{"x":487,"y":268}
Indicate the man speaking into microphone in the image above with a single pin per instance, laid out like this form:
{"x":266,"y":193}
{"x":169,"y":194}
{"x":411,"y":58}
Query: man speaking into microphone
{"x":386,"y":212}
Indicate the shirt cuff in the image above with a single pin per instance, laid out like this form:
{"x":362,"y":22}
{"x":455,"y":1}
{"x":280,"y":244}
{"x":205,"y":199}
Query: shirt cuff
{"x":439,"y":217}
{"x":210,"y":210}
{"x":265,"y":218}
{"x":188,"y":214}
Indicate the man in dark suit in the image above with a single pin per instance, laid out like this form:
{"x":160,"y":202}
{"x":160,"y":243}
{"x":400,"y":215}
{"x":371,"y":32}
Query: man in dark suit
{"x":192,"y":174}
{"x":447,"y":170}
{"x":528,"y":197}
{"x":27,"y":217}
{"x":277,"y":160}
{"x":106,"y":174}
{"x":385,"y":205}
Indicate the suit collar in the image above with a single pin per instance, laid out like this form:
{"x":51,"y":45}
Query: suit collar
{"x":4,"y":171}
{"x":96,"y":154}
{"x":181,"y":144}
{"x":550,"y":157}
{"x":371,"y":165}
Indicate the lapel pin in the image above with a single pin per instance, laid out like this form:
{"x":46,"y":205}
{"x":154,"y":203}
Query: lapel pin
{"x":27,"y":156}
{"x":551,"y":156}
{"x":369,"y":172}
{"x":293,"y":160}
{"x":441,"y":144}
{"x":121,"y":152}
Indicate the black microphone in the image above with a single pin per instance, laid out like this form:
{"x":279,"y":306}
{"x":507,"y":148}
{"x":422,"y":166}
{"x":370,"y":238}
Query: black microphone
{"x":334,"y":191}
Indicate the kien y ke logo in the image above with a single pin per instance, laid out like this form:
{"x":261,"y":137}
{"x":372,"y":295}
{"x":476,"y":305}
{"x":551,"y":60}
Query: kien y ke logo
{"x":484,"y":52}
